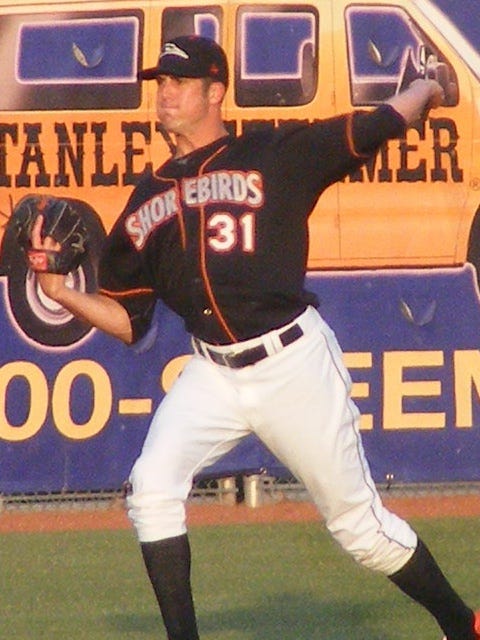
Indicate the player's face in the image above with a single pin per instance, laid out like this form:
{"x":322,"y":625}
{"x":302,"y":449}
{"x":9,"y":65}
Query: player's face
{"x":183,"y":104}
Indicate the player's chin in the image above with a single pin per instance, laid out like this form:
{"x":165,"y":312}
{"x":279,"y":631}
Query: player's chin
{"x":167,"y":115}
{"x":170,"y":124}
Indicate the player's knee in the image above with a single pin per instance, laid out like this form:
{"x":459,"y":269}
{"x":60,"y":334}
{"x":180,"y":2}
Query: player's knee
{"x":381,"y":544}
{"x":156,"y":506}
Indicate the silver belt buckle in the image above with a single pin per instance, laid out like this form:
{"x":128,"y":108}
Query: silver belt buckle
{"x":224,"y":358}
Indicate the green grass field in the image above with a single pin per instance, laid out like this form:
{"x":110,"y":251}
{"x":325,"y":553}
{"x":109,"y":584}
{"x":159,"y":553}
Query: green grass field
{"x":252,"y":582}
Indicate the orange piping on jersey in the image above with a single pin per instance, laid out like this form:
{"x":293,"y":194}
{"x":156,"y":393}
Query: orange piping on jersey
{"x":349,"y":132}
{"x":180,"y":217}
{"x":203,"y":263}
{"x":181,"y":224}
{"x":206,"y":280}
{"x":125,"y":294}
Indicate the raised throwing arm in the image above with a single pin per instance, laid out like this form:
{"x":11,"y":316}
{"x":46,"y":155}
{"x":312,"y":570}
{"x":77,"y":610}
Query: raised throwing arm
{"x":417,"y":100}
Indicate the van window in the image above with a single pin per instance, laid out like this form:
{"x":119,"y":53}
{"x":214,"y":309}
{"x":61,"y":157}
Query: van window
{"x":379,"y":43}
{"x":76,"y":61}
{"x":386,"y":52}
{"x":201,"y":21}
{"x":276,"y":55}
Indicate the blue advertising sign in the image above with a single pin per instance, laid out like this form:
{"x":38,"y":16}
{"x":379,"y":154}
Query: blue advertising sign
{"x":74,"y":418}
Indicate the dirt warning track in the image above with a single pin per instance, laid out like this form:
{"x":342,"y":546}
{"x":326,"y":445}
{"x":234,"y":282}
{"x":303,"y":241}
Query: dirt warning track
{"x":213,"y":514}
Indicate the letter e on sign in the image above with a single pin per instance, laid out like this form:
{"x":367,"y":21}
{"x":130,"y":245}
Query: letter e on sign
{"x":397,"y":389}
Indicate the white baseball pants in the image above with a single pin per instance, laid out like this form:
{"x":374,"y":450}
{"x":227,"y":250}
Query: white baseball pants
{"x":298,"y":403}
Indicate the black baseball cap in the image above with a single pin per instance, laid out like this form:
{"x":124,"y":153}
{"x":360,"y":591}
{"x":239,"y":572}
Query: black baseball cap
{"x":190,"y":57}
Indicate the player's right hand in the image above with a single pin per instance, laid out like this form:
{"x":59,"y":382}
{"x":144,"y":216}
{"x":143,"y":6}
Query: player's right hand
{"x":435,"y":92}
{"x":51,"y":283}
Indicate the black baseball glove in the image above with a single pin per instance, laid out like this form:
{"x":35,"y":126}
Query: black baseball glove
{"x":60,"y":222}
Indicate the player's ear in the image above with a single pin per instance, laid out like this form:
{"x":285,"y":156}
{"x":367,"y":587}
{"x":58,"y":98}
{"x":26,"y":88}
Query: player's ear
{"x":216,"y":92}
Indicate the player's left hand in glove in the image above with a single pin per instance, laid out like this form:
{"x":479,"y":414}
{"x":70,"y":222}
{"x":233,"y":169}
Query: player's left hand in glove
{"x":51,"y":233}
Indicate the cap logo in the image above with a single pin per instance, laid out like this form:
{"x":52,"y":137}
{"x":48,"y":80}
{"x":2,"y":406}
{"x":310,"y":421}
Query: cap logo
{"x":171,"y":49}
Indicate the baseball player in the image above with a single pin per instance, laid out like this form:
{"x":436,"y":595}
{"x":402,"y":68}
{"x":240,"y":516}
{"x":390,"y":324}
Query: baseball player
{"x":219,"y":233}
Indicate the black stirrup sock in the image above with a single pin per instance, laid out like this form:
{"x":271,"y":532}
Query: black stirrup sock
{"x":422,"y":580}
{"x":168,"y":567}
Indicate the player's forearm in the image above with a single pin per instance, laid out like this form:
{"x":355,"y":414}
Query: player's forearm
{"x":415,"y":101}
{"x":98,"y":310}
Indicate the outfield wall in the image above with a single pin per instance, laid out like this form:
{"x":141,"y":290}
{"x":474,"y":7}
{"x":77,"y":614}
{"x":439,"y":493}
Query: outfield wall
{"x":73,"y":419}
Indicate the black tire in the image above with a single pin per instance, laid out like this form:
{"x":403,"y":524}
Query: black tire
{"x":473,"y":253}
{"x":39,"y":318}
{"x":43,"y":321}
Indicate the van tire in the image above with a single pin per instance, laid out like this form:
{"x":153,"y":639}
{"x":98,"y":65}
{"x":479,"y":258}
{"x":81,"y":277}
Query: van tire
{"x":473,"y":252}
{"x":39,"y":318}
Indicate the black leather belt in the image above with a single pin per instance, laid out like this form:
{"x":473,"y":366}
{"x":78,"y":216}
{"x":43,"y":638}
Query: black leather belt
{"x":250,"y":356}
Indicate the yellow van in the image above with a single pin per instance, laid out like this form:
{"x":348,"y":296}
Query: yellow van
{"x":76,"y":123}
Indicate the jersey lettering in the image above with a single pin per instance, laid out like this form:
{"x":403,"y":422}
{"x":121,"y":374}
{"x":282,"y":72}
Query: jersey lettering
{"x":224,"y":186}
{"x":228,"y":232}
{"x":224,"y":226}
{"x":247,"y":222}
{"x":140,"y":224}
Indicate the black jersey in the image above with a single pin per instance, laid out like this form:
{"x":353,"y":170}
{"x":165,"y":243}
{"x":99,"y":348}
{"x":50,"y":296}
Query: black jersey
{"x":221,"y":235}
